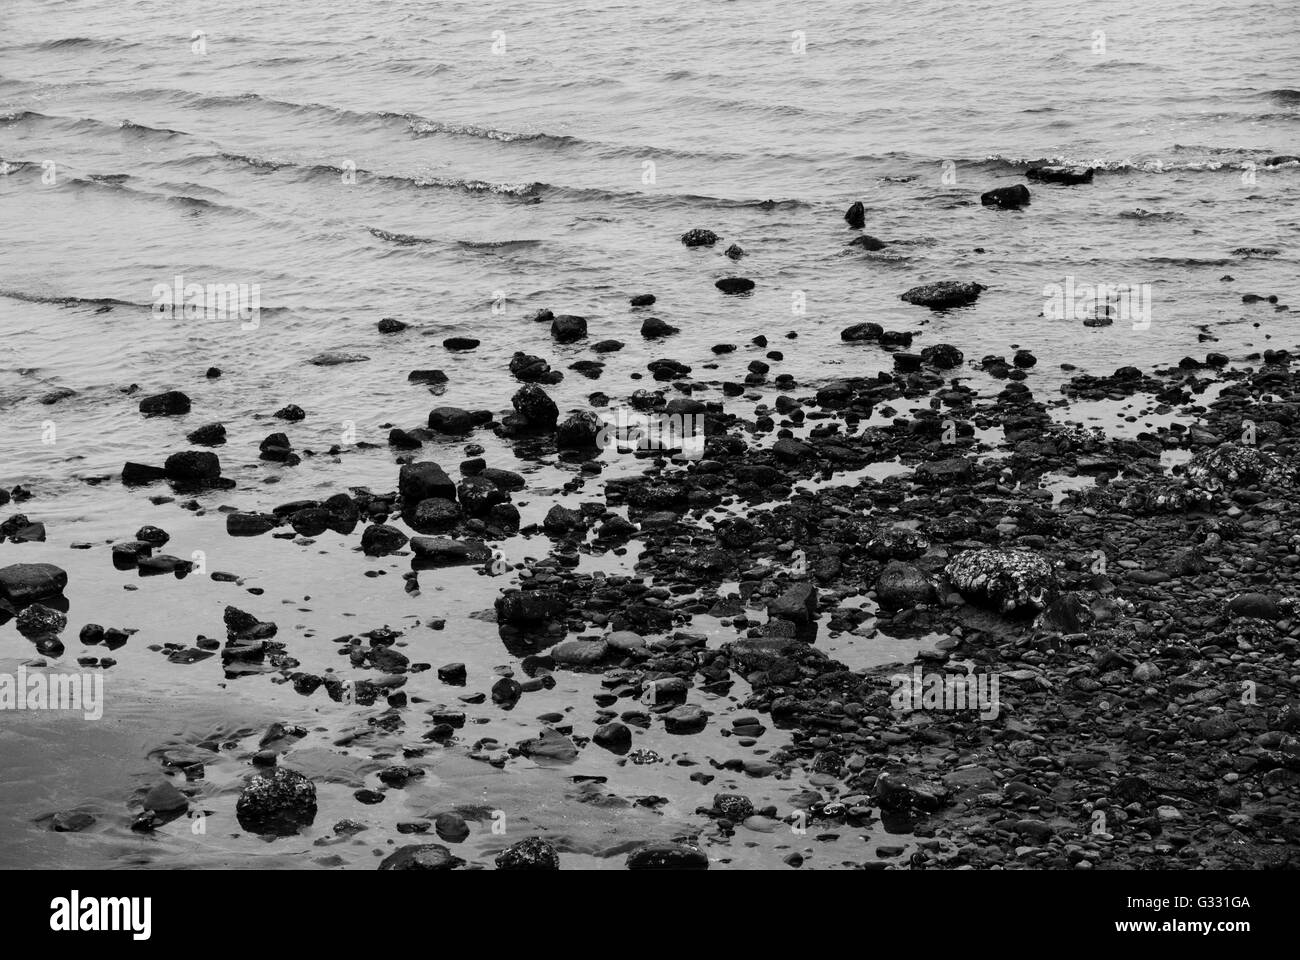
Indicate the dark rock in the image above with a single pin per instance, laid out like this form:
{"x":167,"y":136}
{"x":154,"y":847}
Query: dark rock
{"x":426,"y":376}
{"x":1253,"y":605}
{"x":277,"y":802}
{"x":868,"y":242}
{"x":734,"y":285}
{"x":856,"y":215}
{"x":529,"y":369}
{"x":192,"y":466}
{"x":435,"y":513}
{"x":1068,"y":175}
{"x":580,"y":431}
{"x":942,"y":355}
{"x":615,"y":737}
{"x":862,"y":331}
{"x":797,"y":603}
{"x":446,"y":552}
{"x":241,"y":524}
{"x":532,"y":403}
{"x":423,"y":480}
{"x":654,"y":327}
{"x":421,"y":856}
{"x":478,"y":495}
{"x":38,"y":620}
{"x":24,"y":583}
{"x":208,"y":435}
{"x":944,"y":294}
{"x":135,"y":474}
{"x":566,"y":328}
{"x":451,"y":420}
{"x":168,"y":404}
{"x":902,"y":586}
{"x":1006,"y":198}
{"x":667,"y":856}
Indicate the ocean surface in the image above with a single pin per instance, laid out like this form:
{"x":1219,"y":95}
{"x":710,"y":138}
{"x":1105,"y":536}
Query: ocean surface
{"x":458,"y":166}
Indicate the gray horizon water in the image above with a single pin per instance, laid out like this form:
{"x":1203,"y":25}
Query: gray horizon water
{"x":491,"y":183}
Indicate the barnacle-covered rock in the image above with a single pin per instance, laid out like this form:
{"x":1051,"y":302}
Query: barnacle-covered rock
{"x":888,"y":543}
{"x":278,"y":802}
{"x":1008,"y":579}
{"x":1166,"y":497}
{"x":1033,"y":519}
{"x":1231,"y":465}
{"x":1249,"y":632}
{"x":954,"y":527}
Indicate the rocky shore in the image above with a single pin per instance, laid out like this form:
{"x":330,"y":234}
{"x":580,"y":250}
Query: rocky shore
{"x":1136,"y":598}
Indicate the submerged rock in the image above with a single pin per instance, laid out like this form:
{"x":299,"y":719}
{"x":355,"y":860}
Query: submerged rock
{"x":168,"y":404}
{"x":192,"y":466}
{"x":699,"y":238}
{"x":421,"y":856}
{"x":1007,"y":198}
{"x":667,"y":856}
{"x":734,"y":284}
{"x":566,"y":328}
{"x":1068,"y":175}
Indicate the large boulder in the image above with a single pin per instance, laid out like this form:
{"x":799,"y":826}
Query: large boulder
{"x":24,"y":583}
